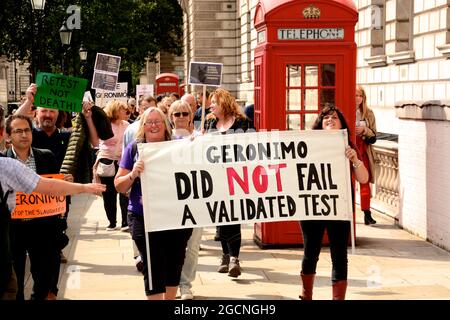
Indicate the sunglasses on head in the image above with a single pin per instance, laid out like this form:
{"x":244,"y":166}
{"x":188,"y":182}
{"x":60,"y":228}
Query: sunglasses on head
{"x":179,"y":114}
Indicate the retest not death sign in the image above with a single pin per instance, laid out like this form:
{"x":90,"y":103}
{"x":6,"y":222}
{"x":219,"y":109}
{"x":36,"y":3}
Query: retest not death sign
{"x":56,"y":91}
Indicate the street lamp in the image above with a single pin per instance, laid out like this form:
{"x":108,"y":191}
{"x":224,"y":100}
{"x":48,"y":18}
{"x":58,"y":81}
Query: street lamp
{"x":66,"y":35}
{"x":83,"y":57}
{"x":83,"y":53}
{"x":35,"y":5}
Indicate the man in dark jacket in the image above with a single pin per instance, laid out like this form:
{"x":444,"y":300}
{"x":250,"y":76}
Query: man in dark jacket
{"x":39,"y":236}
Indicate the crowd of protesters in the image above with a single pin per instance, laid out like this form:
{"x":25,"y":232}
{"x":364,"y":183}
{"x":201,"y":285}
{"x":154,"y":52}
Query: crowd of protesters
{"x":51,"y":141}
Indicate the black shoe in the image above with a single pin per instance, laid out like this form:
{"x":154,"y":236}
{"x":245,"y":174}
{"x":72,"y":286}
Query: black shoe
{"x":224,"y":262}
{"x":234,"y":268}
{"x":368,"y":218}
{"x":139,"y":263}
{"x":111,"y":227}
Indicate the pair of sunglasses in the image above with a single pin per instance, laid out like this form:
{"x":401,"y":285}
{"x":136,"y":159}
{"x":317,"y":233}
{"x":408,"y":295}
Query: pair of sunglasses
{"x":179,"y":114}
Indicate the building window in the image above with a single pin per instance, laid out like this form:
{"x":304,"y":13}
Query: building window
{"x":377,"y":33}
{"x":401,"y":31}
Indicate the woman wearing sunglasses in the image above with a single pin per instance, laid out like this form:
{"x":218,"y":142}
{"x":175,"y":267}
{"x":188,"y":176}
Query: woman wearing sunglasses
{"x":180,"y":116}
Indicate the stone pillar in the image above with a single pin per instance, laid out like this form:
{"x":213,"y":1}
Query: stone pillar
{"x":424,"y":152}
{"x":213,"y":35}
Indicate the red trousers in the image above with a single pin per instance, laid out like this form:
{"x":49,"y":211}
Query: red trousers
{"x":364,"y":188}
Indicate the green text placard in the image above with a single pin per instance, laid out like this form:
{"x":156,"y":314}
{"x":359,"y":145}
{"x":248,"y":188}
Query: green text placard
{"x":60,"y":92}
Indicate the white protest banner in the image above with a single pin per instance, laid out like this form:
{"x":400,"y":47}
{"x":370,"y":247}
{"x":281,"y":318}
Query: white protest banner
{"x":103,"y":97}
{"x":246,"y":178}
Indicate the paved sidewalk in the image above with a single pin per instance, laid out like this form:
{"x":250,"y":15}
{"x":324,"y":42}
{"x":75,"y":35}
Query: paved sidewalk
{"x":389,"y":263}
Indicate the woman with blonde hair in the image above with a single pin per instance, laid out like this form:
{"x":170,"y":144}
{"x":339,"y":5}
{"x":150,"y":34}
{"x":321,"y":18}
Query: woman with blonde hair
{"x":226,"y":117}
{"x":110,"y":152}
{"x":181,"y":117}
{"x":366,"y":132}
{"x":167,"y":248}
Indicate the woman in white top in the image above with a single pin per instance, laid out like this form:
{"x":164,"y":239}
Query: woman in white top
{"x":110,"y":151}
{"x":181,"y":118}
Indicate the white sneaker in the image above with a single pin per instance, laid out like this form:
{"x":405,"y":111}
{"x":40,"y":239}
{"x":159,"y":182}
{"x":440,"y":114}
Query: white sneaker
{"x":186,"y":294}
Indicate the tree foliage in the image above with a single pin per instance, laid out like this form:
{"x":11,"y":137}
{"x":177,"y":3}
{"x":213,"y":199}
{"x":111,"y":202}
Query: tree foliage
{"x":132,"y":29}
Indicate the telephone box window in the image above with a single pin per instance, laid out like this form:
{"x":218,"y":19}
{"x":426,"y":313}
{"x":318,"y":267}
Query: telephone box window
{"x":294,"y":76}
{"x":308,"y":87}
{"x":294,"y":99}
{"x":311,"y":99}
{"x":328,"y":75}
{"x":293,"y":121}
{"x":327,"y":96}
{"x":309,"y":120}
{"x":311,"y":75}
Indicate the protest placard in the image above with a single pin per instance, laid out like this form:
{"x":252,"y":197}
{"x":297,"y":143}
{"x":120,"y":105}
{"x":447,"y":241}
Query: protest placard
{"x":56,"y":91}
{"x":120,"y":93}
{"x":142,"y":89}
{"x":205,"y":73}
{"x":246,"y":178}
{"x":107,"y":63}
{"x":106,"y":72}
{"x":36,"y":205}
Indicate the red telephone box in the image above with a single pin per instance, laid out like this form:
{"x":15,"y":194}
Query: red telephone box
{"x":305,"y":57}
{"x":167,"y":83}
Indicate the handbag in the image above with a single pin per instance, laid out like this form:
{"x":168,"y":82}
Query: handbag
{"x":106,"y":168}
{"x":370,"y":140}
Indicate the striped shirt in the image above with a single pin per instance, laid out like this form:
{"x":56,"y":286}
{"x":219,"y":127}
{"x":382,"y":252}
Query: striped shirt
{"x":16,"y":176}
{"x":30,"y":162}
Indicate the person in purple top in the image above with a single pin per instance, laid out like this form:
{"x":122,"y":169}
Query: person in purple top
{"x":167,"y":248}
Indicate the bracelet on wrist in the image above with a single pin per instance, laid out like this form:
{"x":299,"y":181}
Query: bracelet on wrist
{"x":357,"y":165}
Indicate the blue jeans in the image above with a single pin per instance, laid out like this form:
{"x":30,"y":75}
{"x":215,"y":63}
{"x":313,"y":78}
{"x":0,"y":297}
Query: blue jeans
{"x":338,"y":234}
{"x":191,"y":260}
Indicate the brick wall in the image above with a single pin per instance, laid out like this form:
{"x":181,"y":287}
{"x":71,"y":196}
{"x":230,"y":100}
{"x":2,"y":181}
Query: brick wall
{"x":424,"y":152}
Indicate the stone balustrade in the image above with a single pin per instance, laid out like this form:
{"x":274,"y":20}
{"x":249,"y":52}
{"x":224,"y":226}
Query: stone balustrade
{"x":386,"y":195}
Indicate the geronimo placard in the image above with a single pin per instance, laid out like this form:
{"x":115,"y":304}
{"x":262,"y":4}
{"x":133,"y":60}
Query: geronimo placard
{"x":246,"y":178}
{"x":36,"y":205}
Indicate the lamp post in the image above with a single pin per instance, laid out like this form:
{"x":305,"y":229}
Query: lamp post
{"x":66,"y":35}
{"x":35,"y":5}
{"x":83,"y":57}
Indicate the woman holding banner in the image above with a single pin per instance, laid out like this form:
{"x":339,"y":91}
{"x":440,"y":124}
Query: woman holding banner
{"x":330,"y":118}
{"x":226,"y":117}
{"x":181,"y":117}
{"x":167,"y":248}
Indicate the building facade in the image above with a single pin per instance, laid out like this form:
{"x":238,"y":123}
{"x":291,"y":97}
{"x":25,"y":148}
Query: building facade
{"x":402,"y":60}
